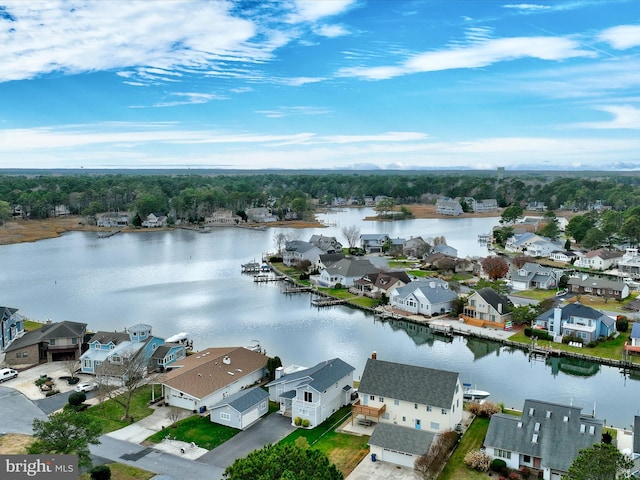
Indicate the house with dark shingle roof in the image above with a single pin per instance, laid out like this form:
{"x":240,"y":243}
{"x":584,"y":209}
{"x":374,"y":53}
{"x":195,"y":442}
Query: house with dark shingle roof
{"x":242,"y":409}
{"x":52,"y":342}
{"x":210,"y":376}
{"x":577,"y":320}
{"x":429,"y":296}
{"x":411,"y":404}
{"x":345,"y":272}
{"x":487,"y":304}
{"x":167,"y":354}
{"x":313,"y":393}
{"x":373,"y":242}
{"x":533,"y":275}
{"x":601,"y":287}
{"x":546,"y":437}
{"x":376,"y":284}
{"x":297,"y":251}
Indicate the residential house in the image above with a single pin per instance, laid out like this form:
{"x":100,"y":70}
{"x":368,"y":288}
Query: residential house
{"x":416,"y":247}
{"x":52,"y":342}
{"x":600,"y":259}
{"x":11,"y":326}
{"x":222,"y":218}
{"x":242,"y":409}
{"x":576,"y":320}
{"x":60,"y":210}
{"x":155,"y":220}
{"x":546,"y":437}
{"x":629,"y":263}
{"x":314,"y":393}
{"x":564,"y":256}
{"x":448,"y":206}
{"x":536,"y":206}
{"x":344,"y":272}
{"x":167,"y":354}
{"x":260,"y":215}
{"x":297,"y":251}
{"x":480,"y":206}
{"x":601,"y":287}
{"x":542,"y":247}
{"x":373,"y":242}
{"x":411,"y":404}
{"x":445,"y":249}
{"x":329,"y":258}
{"x":113,"y":219}
{"x":487,"y":304}
{"x":518,"y":243}
{"x":633,"y":345}
{"x":209,"y":377}
{"x":326,"y":244}
{"x":375,"y":285}
{"x":532,"y":275}
{"x":396,"y":246}
{"x":429,"y":296}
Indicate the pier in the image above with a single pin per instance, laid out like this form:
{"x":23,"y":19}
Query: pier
{"x":264,"y":278}
{"x":328,"y":302}
{"x":296,"y":289}
{"x":108,"y":234}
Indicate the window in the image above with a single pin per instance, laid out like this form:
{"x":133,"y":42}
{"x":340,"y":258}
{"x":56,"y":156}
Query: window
{"x":404,"y":419}
{"x":263,"y":406}
{"x":531,"y":411}
{"x":381,"y":399}
{"x":372,"y":398}
{"x":592,"y":430}
{"x":526,"y":458}
{"x":396,"y":402}
{"x":519,"y":424}
{"x":385,"y":415}
{"x":52,"y":341}
{"x":548,"y":413}
{"x":565,"y":418}
{"x":582,"y":428}
{"x":428,"y":408}
{"x":535,"y":438}
{"x":308,"y":397}
{"x":435,"y":426}
{"x":225,"y":416}
{"x":415,"y":405}
{"x":502,"y":453}
{"x":443,"y":411}
{"x":74,"y":341}
{"x":536,"y":427}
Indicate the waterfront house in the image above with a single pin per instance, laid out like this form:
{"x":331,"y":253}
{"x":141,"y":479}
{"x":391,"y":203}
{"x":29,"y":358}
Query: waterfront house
{"x":113,"y":219}
{"x":52,"y":342}
{"x":519,"y":243}
{"x":564,"y":256}
{"x":222,"y":218}
{"x":487,"y":305}
{"x":326,"y":244}
{"x":633,"y":345}
{"x":532,"y":275}
{"x":445,"y":250}
{"x":416,"y":247}
{"x":206,"y":378}
{"x":344,"y":272}
{"x":314,"y":393}
{"x":542,"y":247}
{"x":297,"y":251}
{"x":260,"y":215}
{"x":410,"y":404}
{"x":602,"y":287}
{"x":329,"y":259}
{"x":375,"y":285}
{"x":536,"y":206}
{"x":429,"y":296}
{"x":629,"y":263}
{"x":546,"y":437}
{"x":155,"y":220}
{"x":373,"y":242}
{"x":11,"y":326}
{"x":484,"y":205}
{"x":600,"y":259}
{"x":578,"y":321}
{"x":448,"y":206}
{"x":167,"y":354}
{"x":242,"y":409}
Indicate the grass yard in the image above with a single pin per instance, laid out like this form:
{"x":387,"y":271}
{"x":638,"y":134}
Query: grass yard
{"x":120,"y":471}
{"x":455,"y":469}
{"x":110,"y":413}
{"x":196,"y":429}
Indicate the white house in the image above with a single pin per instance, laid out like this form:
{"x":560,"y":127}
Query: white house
{"x":297,"y":251}
{"x":260,"y":215}
{"x":448,"y":206}
{"x":113,"y":219}
{"x":413,"y":403}
{"x":546,"y":437}
{"x":519,"y":242}
{"x":629,"y":264}
{"x":222,"y":218}
{"x":344,"y":272}
{"x":373,"y":242}
{"x":242,"y":409}
{"x":313,"y":393}
{"x":542,"y":247}
{"x":208,"y":377}
{"x":600,"y":259}
{"x":487,"y":304}
{"x":430,"y":296}
{"x":155,"y":220}
{"x":564,"y":256}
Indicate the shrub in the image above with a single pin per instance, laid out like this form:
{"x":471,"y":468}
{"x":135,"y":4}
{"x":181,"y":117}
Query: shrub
{"x":101,"y":472}
{"x":473,"y":408}
{"x":77,"y":398}
{"x":477,"y":460}
{"x":51,"y":393}
{"x":514,"y":476}
{"x":305,"y":423}
{"x":497,"y":465}
{"x":297,"y":421}
{"x":622,"y":323}
{"x":489,"y":408}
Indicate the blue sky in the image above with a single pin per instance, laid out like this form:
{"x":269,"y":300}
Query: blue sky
{"x":335,"y":84}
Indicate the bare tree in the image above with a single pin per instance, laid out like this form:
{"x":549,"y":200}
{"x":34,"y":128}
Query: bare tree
{"x":173,"y":415}
{"x":126,"y":372}
{"x":72,"y":365}
{"x":429,"y":465}
{"x":352,"y":234}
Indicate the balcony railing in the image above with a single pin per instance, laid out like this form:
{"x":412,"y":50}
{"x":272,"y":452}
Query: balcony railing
{"x":631,"y":348}
{"x":366,"y":410}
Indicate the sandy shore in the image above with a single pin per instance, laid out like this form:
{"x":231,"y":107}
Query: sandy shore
{"x":19,"y":231}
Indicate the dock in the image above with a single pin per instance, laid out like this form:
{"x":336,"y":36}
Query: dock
{"x":296,"y":289}
{"x":108,"y":234}
{"x":328,"y":302}
{"x":264,"y":278}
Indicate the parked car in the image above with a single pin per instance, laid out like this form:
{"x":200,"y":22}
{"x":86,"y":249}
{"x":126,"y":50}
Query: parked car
{"x":7,"y":374}
{"x":85,"y":386}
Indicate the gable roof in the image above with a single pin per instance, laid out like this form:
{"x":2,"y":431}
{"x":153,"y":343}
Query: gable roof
{"x":603,"y":253}
{"x":402,"y":439}
{"x":350,"y":267}
{"x":494,"y":299}
{"x":589,"y":281}
{"x":206,"y":372}
{"x":434,"y":290}
{"x":576,"y":309}
{"x":407,"y":382}
{"x":164,"y":349}
{"x":244,"y":399}
{"x":320,"y":376}
{"x":104,"y":338}
{"x":49,"y":331}
{"x":553,"y":424}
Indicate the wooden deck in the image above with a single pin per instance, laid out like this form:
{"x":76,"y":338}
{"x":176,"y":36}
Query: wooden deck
{"x":366,"y":410}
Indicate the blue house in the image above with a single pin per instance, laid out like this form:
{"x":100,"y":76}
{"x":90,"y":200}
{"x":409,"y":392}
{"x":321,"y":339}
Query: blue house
{"x":11,"y":326}
{"x":577,"y":320}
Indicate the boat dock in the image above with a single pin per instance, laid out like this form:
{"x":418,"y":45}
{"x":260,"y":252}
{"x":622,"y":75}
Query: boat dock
{"x":296,"y":289}
{"x":265,"y":277}
{"x":328,"y":302}
{"x":108,"y":234}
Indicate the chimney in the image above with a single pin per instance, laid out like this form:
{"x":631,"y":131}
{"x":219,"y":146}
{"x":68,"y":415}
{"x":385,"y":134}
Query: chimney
{"x":226,"y":360}
{"x":500,"y":308}
{"x":279,"y":372}
{"x":374,"y":356}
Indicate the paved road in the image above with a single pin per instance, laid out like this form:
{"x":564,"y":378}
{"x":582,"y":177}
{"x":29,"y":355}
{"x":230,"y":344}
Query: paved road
{"x":269,"y":429}
{"x":17,"y":412}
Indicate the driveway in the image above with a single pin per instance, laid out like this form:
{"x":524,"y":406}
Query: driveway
{"x":18,"y":412}
{"x":270,"y":429}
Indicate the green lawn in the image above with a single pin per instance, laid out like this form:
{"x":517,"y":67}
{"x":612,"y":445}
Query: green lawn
{"x":109,"y":413}
{"x":455,"y":469}
{"x":120,"y":471}
{"x":199,"y":430}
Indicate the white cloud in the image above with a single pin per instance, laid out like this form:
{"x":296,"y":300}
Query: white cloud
{"x":476,"y":56}
{"x":621,"y":37}
{"x":624,"y":117}
{"x":312,"y":10}
{"x":299,"y":81}
{"x":527,"y":7}
{"x":331,"y":31}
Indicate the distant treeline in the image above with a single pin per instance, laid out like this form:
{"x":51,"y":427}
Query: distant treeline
{"x":190,"y":196}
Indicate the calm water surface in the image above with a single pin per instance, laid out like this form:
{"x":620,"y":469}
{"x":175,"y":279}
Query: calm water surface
{"x":185,"y":281}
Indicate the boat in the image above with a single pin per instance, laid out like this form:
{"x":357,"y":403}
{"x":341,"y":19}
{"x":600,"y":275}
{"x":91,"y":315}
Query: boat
{"x":470,"y":393}
{"x":181,"y":338}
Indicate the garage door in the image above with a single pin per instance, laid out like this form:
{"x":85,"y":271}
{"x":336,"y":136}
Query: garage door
{"x":250,"y":417}
{"x":398,"y":458}
{"x":555,"y":476}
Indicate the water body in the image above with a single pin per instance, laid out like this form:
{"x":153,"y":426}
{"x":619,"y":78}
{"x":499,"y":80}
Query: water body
{"x":186,"y":281}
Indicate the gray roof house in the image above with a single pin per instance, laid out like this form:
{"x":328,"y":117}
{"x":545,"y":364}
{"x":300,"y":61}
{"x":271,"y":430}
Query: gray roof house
{"x":373,"y":242}
{"x":448,"y":206}
{"x":413,"y":403}
{"x":345,"y":272}
{"x":546,"y":437}
{"x":313,"y":393}
{"x":487,"y":304}
{"x":576,"y":320}
{"x":296,"y":251}
{"x":242,"y":409}
{"x":326,"y":244}
{"x":376,"y":284}
{"x":429,"y":296}
{"x":602,"y":287}
{"x":416,"y":247}
{"x":532,"y":275}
